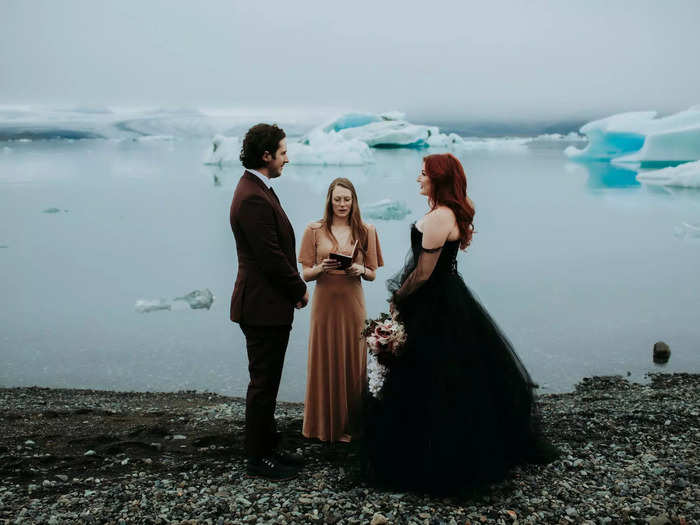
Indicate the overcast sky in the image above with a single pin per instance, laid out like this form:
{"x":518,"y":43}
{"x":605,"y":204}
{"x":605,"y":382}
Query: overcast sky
{"x":514,"y":59}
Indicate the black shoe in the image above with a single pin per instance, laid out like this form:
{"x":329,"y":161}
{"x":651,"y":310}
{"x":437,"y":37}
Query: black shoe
{"x":288,"y":459}
{"x":269,"y":468}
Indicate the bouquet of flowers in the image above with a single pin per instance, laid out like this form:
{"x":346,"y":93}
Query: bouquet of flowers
{"x":385,"y":337}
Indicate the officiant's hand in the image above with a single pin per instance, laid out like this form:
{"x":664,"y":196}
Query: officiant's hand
{"x":329,"y":264}
{"x":304,"y":301}
{"x":355,"y":270}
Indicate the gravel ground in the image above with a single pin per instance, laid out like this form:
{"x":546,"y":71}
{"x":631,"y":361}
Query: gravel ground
{"x":630,"y":455}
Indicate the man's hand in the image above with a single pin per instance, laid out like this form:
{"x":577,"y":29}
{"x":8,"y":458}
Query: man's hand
{"x":304,"y":301}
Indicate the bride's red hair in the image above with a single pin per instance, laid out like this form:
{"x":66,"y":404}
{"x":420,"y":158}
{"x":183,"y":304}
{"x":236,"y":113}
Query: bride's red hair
{"x":449,"y":188}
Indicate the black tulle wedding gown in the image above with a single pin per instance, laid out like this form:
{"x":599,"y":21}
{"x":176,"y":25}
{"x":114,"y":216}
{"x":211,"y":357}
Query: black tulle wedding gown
{"x":457,"y":407}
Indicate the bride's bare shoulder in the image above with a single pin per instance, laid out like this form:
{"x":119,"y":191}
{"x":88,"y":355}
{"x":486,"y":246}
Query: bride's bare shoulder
{"x":441,"y":217}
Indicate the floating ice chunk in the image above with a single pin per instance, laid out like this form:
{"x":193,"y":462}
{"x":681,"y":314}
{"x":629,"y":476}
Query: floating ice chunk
{"x":198,"y":299}
{"x":6,"y":150}
{"x":148,"y":305}
{"x":685,"y":176}
{"x":393,"y":115}
{"x":687,"y":230}
{"x":350,"y":120}
{"x":386,"y":210}
{"x":321,"y":148}
{"x":223,"y":150}
{"x":356,"y":120}
{"x":641,"y":138}
{"x":384,"y":130}
{"x":440,"y":140}
{"x":672,"y":145}
{"x":391,"y":134}
{"x":613,"y":136}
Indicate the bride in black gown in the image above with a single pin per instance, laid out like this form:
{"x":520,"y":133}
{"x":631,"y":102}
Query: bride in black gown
{"x":457,"y":408}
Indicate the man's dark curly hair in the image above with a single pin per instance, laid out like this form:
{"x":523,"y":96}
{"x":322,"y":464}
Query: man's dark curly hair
{"x":259,"y":139}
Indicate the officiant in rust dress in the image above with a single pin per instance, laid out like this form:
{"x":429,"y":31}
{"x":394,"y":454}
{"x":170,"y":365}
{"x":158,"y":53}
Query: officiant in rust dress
{"x":336,"y":371}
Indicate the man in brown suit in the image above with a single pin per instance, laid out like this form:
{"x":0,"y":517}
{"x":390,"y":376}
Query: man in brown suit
{"x":268,"y":288}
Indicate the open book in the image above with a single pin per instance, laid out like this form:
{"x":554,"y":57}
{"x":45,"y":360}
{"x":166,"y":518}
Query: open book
{"x":345,"y":260}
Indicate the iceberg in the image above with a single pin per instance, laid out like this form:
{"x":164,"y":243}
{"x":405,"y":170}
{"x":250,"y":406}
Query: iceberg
{"x":318,"y":149}
{"x":60,"y":123}
{"x":391,"y":134}
{"x":684,"y":176}
{"x":386,"y":210}
{"x":640,"y":137}
{"x":350,"y":120}
{"x":198,"y":299}
{"x":348,"y":140}
{"x":383,"y":130}
{"x":329,"y":149}
{"x":223,"y":150}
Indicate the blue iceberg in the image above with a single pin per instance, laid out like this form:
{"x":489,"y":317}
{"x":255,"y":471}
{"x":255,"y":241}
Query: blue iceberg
{"x":351,"y":120}
{"x":640,"y":139}
{"x":384,"y":130}
{"x":684,"y":176}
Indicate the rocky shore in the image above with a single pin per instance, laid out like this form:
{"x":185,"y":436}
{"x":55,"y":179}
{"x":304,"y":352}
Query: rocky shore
{"x":629,"y":455}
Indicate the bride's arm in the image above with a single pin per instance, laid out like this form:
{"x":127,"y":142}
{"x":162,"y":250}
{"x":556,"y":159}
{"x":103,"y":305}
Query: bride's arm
{"x":436,"y":228}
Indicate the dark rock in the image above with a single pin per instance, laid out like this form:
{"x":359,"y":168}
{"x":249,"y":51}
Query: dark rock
{"x":662,"y":352}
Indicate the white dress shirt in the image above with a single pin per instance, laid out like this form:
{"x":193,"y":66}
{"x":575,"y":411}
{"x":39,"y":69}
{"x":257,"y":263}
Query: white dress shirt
{"x":262,"y":177}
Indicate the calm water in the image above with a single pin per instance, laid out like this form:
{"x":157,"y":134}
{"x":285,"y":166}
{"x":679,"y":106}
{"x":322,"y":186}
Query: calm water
{"x":579,"y":264}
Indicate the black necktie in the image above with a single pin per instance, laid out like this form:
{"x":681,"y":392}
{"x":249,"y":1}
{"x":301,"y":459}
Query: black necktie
{"x":274,"y":194}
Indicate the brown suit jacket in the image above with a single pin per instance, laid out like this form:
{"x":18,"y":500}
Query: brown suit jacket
{"x":268,"y":284}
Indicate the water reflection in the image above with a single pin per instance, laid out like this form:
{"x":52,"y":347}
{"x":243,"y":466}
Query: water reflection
{"x":603,"y":175}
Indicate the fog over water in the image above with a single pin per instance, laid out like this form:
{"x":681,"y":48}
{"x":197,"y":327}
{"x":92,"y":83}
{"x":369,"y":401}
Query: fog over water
{"x":450,"y":60}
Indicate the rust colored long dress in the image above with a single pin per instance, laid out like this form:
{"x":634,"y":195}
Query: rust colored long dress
{"x":336,"y":370}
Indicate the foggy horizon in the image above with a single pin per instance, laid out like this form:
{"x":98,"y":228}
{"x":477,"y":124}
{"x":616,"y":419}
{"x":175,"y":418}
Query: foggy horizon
{"x":542,"y":61}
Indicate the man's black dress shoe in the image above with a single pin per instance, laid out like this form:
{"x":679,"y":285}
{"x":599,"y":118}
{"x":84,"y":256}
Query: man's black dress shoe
{"x":288,"y":459}
{"x":269,"y":468}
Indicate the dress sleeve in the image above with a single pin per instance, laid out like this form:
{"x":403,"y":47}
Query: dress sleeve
{"x":427,"y":260}
{"x":307,"y":251}
{"x":373,"y":259}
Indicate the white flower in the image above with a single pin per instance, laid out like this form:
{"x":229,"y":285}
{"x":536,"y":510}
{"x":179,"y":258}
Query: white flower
{"x":372,"y":342}
{"x":375,"y":375}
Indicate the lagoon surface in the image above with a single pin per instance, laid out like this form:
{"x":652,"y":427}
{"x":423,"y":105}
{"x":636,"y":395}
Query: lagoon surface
{"x":582,"y":267}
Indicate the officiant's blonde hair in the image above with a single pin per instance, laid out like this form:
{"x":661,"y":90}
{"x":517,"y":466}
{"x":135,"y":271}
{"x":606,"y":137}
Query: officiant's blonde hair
{"x":358,"y":229}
